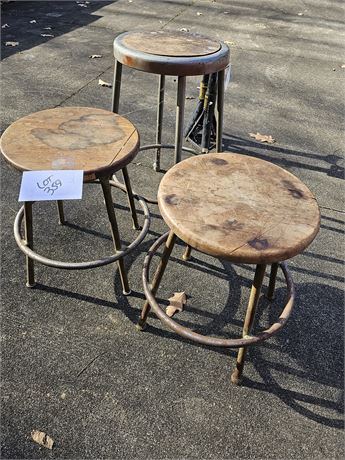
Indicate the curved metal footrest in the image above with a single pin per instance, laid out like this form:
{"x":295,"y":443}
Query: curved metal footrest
{"x":208,"y":340}
{"x":89,"y":264}
{"x":163,"y":146}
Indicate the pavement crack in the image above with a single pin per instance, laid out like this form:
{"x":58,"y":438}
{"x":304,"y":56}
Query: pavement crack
{"x":331,"y":209}
{"x":178,"y":14}
{"x":84,"y":86}
{"x":89,"y":364}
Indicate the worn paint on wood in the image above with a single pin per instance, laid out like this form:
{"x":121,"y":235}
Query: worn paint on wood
{"x":88,"y":139}
{"x":238,"y":207}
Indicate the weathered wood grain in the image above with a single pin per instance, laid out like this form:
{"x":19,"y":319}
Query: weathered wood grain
{"x":93,"y":140}
{"x":238,"y":207}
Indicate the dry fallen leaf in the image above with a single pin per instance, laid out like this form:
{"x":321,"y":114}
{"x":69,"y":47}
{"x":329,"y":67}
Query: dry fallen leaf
{"x":184,"y":29}
{"x":262,"y":138}
{"x":190,"y":97}
{"x":176,"y":303}
{"x":47,"y":35}
{"x":95,"y":56}
{"x":228,"y":42}
{"x":104,"y":83}
{"x":199,"y":13}
{"x":343,"y":66}
{"x":11,"y":43}
{"x":33,"y":21}
{"x":42,"y":439}
{"x":5,"y":26}
{"x":47,"y":28}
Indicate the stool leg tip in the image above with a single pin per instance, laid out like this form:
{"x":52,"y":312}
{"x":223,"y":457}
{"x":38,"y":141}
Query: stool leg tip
{"x":136,"y":227}
{"x":141,"y":325}
{"x":30,"y":285}
{"x":235,"y":377}
{"x":126,"y":293}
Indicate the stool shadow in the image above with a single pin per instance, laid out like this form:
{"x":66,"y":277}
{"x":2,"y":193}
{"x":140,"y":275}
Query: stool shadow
{"x":314,"y":333}
{"x":316,"y":344}
{"x":292,"y":159}
{"x":319,"y":357}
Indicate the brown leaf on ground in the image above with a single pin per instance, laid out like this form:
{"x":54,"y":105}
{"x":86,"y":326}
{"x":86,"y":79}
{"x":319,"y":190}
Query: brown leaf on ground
{"x":262,"y":138}
{"x":11,"y":43}
{"x":42,"y":439}
{"x":104,"y":83}
{"x":176,"y":303}
{"x":95,"y":56}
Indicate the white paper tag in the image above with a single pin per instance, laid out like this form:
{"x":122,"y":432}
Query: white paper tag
{"x":227,"y":76}
{"x":51,"y":185}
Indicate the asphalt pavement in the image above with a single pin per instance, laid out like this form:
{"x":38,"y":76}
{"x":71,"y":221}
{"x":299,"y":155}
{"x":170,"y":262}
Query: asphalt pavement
{"x":73,"y":364}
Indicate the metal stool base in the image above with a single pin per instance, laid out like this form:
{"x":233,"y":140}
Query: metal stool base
{"x":246,"y":339}
{"x":22,"y":244}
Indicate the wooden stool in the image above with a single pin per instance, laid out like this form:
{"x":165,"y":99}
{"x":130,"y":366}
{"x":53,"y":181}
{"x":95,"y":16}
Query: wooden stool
{"x":241,"y":209}
{"x":96,"y":141}
{"x":171,"y":53}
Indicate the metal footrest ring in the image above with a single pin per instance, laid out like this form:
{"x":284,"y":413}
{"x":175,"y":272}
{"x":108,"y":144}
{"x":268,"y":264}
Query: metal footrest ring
{"x":89,"y":264}
{"x":208,"y":340}
{"x":163,"y":146}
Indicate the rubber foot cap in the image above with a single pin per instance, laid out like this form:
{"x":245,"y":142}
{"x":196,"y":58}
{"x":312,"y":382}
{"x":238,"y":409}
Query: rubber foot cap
{"x":235,"y":379}
{"x":30,"y":285}
{"x":141,"y":325}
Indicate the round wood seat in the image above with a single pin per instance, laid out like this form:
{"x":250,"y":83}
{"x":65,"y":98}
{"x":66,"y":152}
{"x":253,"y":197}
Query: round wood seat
{"x":171,"y":52}
{"x":238,"y":207}
{"x":96,"y":141}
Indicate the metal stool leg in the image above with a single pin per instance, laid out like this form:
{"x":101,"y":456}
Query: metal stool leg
{"x":61,"y":212}
{"x":115,"y":232}
{"x":181,"y":96}
{"x":272,"y":283}
{"x":220,"y":111}
{"x":116,"y":87}
{"x":160,"y":109}
{"x":169,"y":245}
{"x":187,"y":253}
{"x":248,"y":321}
{"x":131,"y":203}
{"x":30,"y":274}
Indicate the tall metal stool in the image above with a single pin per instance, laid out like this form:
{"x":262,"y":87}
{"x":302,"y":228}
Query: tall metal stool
{"x":96,"y":141}
{"x":237,"y":208}
{"x":171,"y":53}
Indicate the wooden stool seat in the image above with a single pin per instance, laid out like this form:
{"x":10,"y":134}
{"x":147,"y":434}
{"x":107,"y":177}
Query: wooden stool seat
{"x":171,"y":52}
{"x":96,"y":141}
{"x":239,"y":208}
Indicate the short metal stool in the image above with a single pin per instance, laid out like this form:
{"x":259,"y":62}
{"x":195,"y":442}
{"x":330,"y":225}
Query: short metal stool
{"x":180,"y":54}
{"x":96,"y":141}
{"x":237,"y":208}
